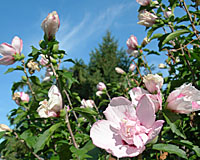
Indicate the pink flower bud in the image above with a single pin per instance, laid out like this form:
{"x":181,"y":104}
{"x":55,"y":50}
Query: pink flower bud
{"x":132,"y":67}
{"x":7,"y":51}
{"x":119,"y":70}
{"x":20,"y":97}
{"x":51,"y":24}
{"x":101,"y":86}
{"x":144,"y":2}
{"x":153,"y":82}
{"x":43,"y":61}
{"x":168,"y":13}
{"x":185,"y":99}
{"x":132,"y":43}
{"x":146,"y":18}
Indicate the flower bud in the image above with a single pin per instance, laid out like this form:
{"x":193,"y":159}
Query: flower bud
{"x":42,"y":44}
{"x":20,"y":97}
{"x":51,"y":24}
{"x":153,"y":82}
{"x":24,"y":78}
{"x":99,"y":93}
{"x":132,"y":67}
{"x":144,"y":2}
{"x":146,"y":18}
{"x":55,"y":48}
{"x":168,"y":13}
{"x":162,"y":66}
{"x":132,"y":43}
{"x":145,"y":42}
{"x":133,"y":53}
{"x":119,"y":70}
{"x":4,"y":127}
{"x":101,"y":86}
{"x":87,"y":103}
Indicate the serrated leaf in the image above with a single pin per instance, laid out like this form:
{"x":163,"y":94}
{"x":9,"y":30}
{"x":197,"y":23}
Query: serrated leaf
{"x":170,"y":148}
{"x":45,"y":137}
{"x":29,"y":138}
{"x":171,"y":118}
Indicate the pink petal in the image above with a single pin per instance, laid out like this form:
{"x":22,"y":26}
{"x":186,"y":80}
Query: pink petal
{"x":7,"y":60}
{"x":118,"y":109}
{"x":146,"y":111}
{"x":105,"y":136}
{"x":156,"y":128}
{"x":17,"y":43}
{"x":6,"y":49}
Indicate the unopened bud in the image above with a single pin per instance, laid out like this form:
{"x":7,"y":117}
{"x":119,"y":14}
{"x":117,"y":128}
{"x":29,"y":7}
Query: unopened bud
{"x":145,"y":42}
{"x":119,"y":70}
{"x":55,"y":48}
{"x":162,"y":66}
{"x":24,"y":78}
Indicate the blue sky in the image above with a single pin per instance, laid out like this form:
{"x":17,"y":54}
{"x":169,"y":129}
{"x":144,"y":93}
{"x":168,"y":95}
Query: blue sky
{"x":83,"y":23}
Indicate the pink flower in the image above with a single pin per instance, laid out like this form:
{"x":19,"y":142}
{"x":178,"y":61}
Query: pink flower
{"x":20,"y":97}
{"x":52,"y":107}
{"x":7,"y":51}
{"x":137,"y":93}
{"x":43,"y":61}
{"x":101,"y":86}
{"x":153,"y":82}
{"x":144,"y":2}
{"x":132,"y":43}
{"x":184,"y":99}
{"x":126,"y":130}
{"x":146,"y":18}
{"x":51,"y":24}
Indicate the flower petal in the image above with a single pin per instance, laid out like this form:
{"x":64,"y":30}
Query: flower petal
{"x":156,"y":128}
{"x":6,"y":49}
{"x":104,"y":135}
{"x":17,"y":43}
{"x":146,"y":111}
{"x":118,"y":109}
{"x":7,"y":60}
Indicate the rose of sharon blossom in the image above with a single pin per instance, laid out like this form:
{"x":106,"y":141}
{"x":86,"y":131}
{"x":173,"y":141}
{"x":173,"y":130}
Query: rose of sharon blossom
{"x":126,"y":130}
{"x":51,"y":24}
{"x":87,"y":103}
{"x":146,"y":18}
{"x":101,"y":86}
{"x":184,"y":99}
{"x":152,"y":82}
{"x":137,"y":93}
{"x":52,"y":107}
{"x":20,"y":97}
{"x":43,"y":61}
{"x":144,"y":2}
{"x":132,"y":45}
{"x":7,"y":51}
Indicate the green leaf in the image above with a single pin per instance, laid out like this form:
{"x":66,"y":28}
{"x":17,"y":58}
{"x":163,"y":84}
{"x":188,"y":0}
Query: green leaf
{"x":172,"y":36}
{"x":171,"y":118}
{"x":157,"y":35}
{"x":85,"y":110}
{"x":12,"y":69}
{"x":45,"y":137}
{"x":2,"y":134}
{"x":29,"y":138}
{"x":35,"y":80}
{"x":69,"y":60}
{"x":16,"y":85}
{"x":82,"y":152}
{"x":170,"y":148}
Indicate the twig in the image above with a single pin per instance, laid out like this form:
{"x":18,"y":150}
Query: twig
{"x":70,"y":103}
{"x":190,"y":17}
{"x":27,"y":81}
{"x":137,"y":69}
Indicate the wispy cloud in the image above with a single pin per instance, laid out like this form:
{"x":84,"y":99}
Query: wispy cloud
{"x":91,"y":25}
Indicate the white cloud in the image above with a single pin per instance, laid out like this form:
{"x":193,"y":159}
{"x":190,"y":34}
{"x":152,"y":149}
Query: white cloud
{"x":90,"y":25}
